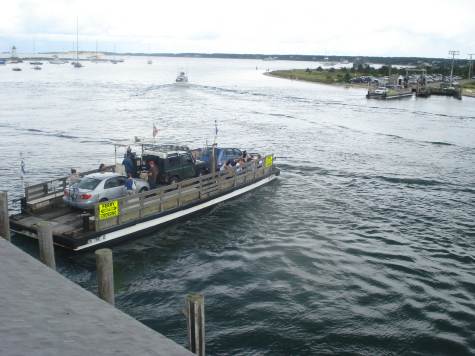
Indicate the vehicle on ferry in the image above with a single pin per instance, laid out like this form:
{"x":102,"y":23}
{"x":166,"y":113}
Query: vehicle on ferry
{"x":381,"y":91}
{"x":175,"y":163}
{"x":223,"y":154}
{"x":99,"y":187}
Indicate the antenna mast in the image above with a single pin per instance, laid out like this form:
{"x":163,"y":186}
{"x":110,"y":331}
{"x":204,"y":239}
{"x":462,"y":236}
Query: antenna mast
{"x":453,"y":53}
{"x":470,"y":66}
{"x":77,"y":39}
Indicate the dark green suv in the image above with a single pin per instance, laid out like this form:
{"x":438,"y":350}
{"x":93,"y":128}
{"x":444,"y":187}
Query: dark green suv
{"x":174,"y":166}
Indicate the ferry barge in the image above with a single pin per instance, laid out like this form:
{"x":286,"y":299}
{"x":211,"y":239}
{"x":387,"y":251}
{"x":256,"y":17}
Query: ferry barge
{"x":133,"y":215}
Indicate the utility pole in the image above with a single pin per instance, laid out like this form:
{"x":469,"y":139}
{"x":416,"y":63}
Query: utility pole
{"x":389,"y":73}
{"x":470,"y":66}
{"x":453,"y":53}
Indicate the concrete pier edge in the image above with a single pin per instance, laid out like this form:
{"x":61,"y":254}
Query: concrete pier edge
{"x":44,"y":313}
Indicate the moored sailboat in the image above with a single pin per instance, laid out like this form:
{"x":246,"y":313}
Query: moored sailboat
{"x":77,"y":64}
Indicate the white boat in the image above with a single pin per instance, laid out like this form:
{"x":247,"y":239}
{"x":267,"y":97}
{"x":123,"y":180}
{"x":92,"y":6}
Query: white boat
{"x":76,"y":64}
{"x":56,"y":60}
{"x":115,"y":60}
{"x":181,"y":78}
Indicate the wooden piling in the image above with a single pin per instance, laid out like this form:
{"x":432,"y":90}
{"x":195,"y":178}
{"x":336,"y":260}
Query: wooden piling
{"x":85,"y":222}
{"x":105,"y":275}
{"x":4,"y":217}
{"x":45,"y":242}
{"x":195,"y":319}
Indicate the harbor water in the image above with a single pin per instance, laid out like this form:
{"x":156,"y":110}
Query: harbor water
{"x":364,"y":245}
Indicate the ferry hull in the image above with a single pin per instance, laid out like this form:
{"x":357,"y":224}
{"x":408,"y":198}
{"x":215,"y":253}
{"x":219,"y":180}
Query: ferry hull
{"x":169,"y":217}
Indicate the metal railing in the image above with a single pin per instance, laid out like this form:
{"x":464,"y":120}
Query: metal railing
{"x":52,"y":187}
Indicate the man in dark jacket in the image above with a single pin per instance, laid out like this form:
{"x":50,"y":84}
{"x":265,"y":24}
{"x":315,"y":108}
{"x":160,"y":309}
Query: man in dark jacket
{"x":129,"y":165}
{"x":152,"y":175}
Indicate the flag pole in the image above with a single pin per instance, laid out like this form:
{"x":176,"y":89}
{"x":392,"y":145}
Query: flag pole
{"x":22,"y":173}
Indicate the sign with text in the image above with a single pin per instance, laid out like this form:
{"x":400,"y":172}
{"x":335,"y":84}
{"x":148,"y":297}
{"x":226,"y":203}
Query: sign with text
{"x":268,"y":161}
{"x":108,"y":209}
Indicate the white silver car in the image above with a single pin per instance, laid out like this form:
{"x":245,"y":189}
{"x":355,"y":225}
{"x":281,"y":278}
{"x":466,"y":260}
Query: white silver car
{"x":381,"y":90}
{"x":98,"y":187}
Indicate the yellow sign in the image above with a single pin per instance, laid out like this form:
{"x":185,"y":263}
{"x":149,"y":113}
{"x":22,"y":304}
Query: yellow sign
{"x":108,"y":209}
{"x":268,"y":161}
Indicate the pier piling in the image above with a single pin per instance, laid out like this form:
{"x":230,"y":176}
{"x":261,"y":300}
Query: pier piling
{"x":105,"y":275}
{"x":4,"y":217}
{"x":195,"y":319}
{"x":45,"y":242}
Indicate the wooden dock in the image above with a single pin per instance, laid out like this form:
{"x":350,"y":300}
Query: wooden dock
{"x":43,"y":313}
{"x":389,"y":95}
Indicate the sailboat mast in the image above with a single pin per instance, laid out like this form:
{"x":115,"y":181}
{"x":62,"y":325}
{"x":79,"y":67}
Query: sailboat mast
{"x":77,"y":39}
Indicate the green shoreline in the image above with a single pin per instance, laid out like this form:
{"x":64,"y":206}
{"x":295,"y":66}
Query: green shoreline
{"x":337,"y":78}
{"x":325,"y":77}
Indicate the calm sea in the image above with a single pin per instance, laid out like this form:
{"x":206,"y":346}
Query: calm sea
{"x":365,"y":244}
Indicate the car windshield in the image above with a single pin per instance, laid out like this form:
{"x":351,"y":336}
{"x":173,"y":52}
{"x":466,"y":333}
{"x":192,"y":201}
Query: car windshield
{"x":88,"y":183}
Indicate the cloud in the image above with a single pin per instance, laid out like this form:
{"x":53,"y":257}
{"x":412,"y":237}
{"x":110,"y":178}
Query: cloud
{"x":365,"y":27}
{"x":204,"y":36}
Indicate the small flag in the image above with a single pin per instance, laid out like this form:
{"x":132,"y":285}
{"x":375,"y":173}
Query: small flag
{"x":155,"y":131}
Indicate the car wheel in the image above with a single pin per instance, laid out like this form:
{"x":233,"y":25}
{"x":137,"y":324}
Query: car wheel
{"x":144,"y":189}
{"x":174,"y":180}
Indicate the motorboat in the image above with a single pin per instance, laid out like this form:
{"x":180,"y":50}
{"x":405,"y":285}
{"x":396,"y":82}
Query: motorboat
{"x":77,"y":64}
{"x":36,"y":63}
{"x":181,"y":78}
{"x":56,"y":60}
{"x":16,"y":69}
{"x":37,"y":67}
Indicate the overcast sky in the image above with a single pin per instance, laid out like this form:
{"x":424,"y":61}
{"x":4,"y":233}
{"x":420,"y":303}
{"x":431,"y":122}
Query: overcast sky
{"x":360,"y":27}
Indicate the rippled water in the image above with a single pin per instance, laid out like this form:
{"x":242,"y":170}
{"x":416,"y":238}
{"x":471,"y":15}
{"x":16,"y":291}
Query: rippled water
{"x":363,"y":246}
